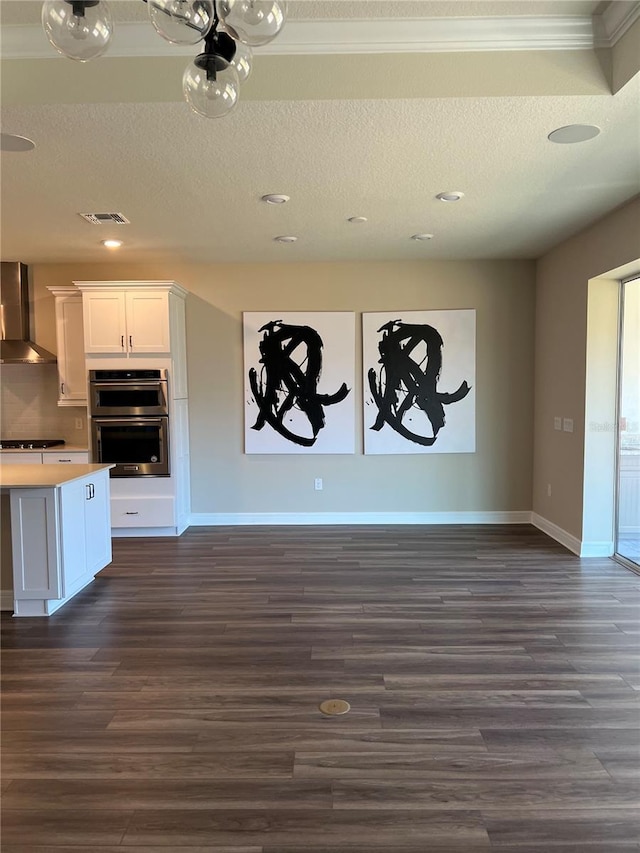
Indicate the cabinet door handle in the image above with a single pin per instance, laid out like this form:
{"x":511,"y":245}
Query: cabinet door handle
{"x":122,"y":341}
{"x":64,"y":460}
{"x":88,"y":488}
{"x":130,"y":342}
{"x":62,"y":388}
{"x":132,"y":513}
{"x":93,"y":490}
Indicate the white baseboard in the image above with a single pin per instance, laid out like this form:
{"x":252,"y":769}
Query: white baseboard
{"x":6,"y":599}
{"x":597,"y":549}
{"x":217,"y":519}
{"x":150,"y":532}
{"x":581,"y":548}
{"x":556,"y":533}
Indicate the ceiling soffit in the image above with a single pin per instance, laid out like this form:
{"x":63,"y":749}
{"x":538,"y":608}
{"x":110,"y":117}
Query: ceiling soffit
{"x":443,"y":57}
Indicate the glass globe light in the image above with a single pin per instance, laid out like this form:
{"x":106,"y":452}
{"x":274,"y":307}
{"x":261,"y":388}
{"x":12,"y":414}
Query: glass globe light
{"x":181,"y":21}
{"x":78,"y":29}
{"x":211,"y":92}
{"x":243,"y":61}
{"x":254,"y":22}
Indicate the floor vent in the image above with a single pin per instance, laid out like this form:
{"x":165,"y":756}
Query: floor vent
{"x":333,"y":707}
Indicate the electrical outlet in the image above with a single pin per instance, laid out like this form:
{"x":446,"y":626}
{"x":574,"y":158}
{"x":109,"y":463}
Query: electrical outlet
{"x":79,"y":424}
{"x":567,"y":424}
{"x":557,"y":423}
{"x":548,"y":490}
{"x":317,"y":484}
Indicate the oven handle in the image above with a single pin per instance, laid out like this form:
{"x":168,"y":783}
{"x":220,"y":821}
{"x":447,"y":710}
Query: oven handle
{"x":138,"y":383}
{"x":119,"y":420}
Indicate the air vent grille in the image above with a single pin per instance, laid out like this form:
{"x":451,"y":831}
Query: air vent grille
{"x":105,"y":218}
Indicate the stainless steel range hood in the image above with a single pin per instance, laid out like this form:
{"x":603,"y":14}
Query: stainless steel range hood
{"x":15,"y":346}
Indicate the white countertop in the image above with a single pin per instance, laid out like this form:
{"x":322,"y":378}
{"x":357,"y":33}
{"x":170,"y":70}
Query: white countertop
{"x":45,"y":476}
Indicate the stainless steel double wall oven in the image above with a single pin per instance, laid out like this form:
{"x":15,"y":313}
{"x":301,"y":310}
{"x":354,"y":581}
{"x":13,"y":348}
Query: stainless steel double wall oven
{"x":130,"y":421}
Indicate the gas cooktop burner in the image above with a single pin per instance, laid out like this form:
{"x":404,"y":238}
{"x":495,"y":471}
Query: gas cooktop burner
{"x":29,"y":443}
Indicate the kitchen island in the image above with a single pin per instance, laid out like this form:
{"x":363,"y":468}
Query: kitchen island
{"x":58,"y":523}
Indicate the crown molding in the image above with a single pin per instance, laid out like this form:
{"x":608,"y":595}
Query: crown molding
{"x":424,"y":35}
{"x":614,"y":22}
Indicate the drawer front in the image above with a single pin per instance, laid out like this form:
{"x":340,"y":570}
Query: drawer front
{"x":143,"y":512}
{"x":78,"y":457}
{"x":19,"y":457}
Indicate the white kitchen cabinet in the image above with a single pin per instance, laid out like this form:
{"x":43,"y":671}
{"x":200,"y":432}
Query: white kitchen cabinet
{"x":60,"y":537}
{"x":98,"y":525}
{"x":142,"y":324}
{"x":34,"y":536}
{"x":18,"y":457}
{"x":74,"y":457}
{"x":34,"y":457}
{"x":86,"y":530}
{"x":147,"y":321}
{"x":141,"y":511}
{"x":126,"y":322}
{"x":72,"y":373}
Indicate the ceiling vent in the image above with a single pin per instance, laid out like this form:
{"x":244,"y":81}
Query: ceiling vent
{"x":105,"y":218}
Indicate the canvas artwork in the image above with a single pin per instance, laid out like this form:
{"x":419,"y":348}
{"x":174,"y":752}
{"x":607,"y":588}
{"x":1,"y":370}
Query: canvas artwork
{"x":419,"y":381}
{"x":299,"y":373}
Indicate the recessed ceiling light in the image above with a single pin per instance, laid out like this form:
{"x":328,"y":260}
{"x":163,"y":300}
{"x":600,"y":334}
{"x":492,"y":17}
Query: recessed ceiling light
{"x":275,"y":198}
{"x":573,"y":133}
{"x":111,"y":244}
{"x":357,"y":219}
{"x":285,"y":239}
{"x":11,"y":142}
{"x":451,"y":195}
{"x":422,"y":236}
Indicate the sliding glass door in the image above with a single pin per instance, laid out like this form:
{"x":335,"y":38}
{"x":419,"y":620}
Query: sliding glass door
{"x":628,"y":503}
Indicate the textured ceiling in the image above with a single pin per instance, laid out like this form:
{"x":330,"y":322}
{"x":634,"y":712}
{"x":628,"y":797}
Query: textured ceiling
{"x":191,"y":187}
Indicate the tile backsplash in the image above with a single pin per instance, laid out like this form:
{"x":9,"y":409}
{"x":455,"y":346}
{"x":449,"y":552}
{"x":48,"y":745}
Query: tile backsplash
{"x":29,"y":405}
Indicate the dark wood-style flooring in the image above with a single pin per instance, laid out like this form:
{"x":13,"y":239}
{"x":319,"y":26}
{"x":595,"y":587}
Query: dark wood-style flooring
{"x":493,"y":677}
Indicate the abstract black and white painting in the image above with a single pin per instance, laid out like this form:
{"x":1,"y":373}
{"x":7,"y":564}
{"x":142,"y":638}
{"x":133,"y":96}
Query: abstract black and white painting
{"x":299,"y":371}
{"x":419,"y":381}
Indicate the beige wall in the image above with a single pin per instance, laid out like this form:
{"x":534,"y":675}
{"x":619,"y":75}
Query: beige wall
{"x":225,"y":480}
{"x":626,"y":57}
{"x":561,"y":351}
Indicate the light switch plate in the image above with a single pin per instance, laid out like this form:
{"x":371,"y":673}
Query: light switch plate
{"x":567,"y":424}
{"x":557,"y":423}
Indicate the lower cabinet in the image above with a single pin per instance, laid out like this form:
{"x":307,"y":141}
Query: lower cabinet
{"x":61,"y":538}
{"x":86,"y":531}
{"x":33,"y":457}
{"x":142,"y":512}
{"x":75,"y":457}
{"x":27,"y":457}
{"x":144,"y":506}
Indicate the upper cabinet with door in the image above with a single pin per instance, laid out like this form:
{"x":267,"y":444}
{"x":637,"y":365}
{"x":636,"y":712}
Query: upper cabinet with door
{"x":128,"y":322}
{"x":72,"y":375}
{"x":136,"y":321}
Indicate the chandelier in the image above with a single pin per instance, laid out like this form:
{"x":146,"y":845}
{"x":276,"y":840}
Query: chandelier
{"x":82,"y":30}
